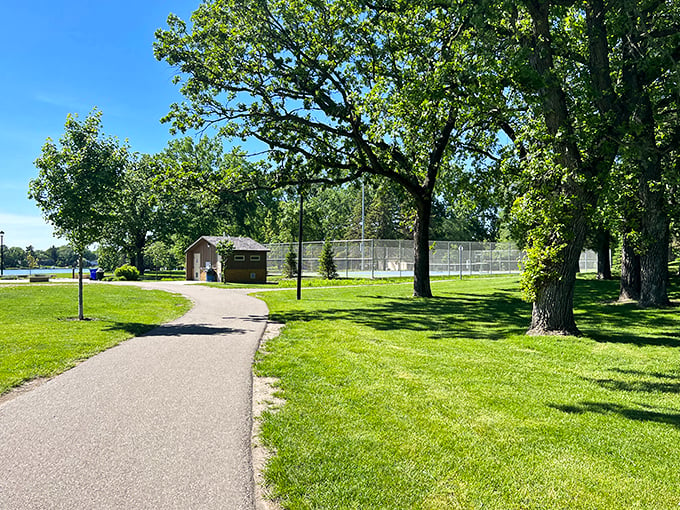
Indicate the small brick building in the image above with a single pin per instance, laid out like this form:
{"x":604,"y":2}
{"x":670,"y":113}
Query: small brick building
{"x":248,"y":264}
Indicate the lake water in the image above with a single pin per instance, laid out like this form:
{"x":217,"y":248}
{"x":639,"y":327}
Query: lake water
{"x":59,"y":270}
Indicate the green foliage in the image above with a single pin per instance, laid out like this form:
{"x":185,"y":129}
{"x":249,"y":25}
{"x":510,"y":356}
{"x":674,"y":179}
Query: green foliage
{"x":109,"y":257}
{"x":225,"y":251}
{"x":77,"y":182}
{"x":32,"y":261}
{"x":137,"y":208}
{"x":290,"y":266}
{"x":159,"y":255}
{"x":327,"y":268}
{"x":128,"y":272}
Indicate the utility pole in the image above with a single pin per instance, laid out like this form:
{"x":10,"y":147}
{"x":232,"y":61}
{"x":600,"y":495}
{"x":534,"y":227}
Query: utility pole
{"x":299,"y":271}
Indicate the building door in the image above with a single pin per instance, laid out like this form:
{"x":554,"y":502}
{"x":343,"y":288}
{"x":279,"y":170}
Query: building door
{"x":197,"y":266}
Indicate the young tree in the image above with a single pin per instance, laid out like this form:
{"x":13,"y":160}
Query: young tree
{"x":327,"y":267}
{"x":159,"y":255}
{"x":290,"y":265}
{"x":335,"y":89}
{"x":32,"y":261}
{"x":225,"y":250}
{"x":77,"y":184}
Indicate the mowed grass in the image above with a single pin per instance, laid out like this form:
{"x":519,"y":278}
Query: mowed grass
{"x":395,"y":402}
{"x":40,"y":338}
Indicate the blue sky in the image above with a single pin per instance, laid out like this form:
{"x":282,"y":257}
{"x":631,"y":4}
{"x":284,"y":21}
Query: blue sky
{"x":67,"y":56}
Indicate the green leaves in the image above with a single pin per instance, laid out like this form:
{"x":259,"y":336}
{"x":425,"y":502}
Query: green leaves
{"x":78,"y":179}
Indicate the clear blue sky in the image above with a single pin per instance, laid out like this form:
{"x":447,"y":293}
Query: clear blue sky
{"x":68,"y":56}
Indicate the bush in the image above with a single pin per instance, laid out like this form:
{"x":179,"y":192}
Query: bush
{"x":113,"y":279}
{"x":327,"y":267}
{"x":127,"y":272}
{"x":290,"y":266}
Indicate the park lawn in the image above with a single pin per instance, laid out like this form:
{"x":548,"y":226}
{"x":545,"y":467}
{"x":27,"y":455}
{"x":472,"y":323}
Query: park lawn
{"x":396,"y":402}
{"x":40,"y":337}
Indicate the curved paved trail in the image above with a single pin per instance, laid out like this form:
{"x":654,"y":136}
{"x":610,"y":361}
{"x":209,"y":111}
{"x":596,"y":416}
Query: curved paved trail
{"x":160,"y":421}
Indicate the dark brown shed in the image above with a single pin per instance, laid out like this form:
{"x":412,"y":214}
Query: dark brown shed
{"x":248,"y":264}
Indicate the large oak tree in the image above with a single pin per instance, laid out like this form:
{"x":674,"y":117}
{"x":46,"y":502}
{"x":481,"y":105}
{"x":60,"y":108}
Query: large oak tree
{"x":334,"y":90}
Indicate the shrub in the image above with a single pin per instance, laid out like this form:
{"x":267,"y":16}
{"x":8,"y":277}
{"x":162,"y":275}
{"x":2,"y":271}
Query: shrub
{"x":127,"y":272}
{"x":113,"y":279}
{"x":327,"y":267}
{"x":290,"y":266}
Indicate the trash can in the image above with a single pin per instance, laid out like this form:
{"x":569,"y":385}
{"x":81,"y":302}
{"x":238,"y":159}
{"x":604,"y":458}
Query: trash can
{"x":211,"y":275}
{"x":93,"y":274}
{"x":100,"y":274}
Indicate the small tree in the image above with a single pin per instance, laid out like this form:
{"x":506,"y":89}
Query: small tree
{"x":225,"y":249}
{"x":109,"y":257}
{"x":326,"y":263}
{"x":32,"y":261}
{"x":290,"y":265}
{"x":158,"y":254}
{"x":77,"y":184}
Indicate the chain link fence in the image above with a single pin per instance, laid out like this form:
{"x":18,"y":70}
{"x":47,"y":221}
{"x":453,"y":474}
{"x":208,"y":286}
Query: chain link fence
{"x":376,"y":258}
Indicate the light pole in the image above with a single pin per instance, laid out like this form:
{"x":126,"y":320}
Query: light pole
{"x":2,"y":253}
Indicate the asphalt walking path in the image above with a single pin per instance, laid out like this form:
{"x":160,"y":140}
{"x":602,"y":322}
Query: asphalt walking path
{"x":161,"y":421}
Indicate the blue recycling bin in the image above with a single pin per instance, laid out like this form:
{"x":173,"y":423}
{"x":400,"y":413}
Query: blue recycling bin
{"x":93,"y":274}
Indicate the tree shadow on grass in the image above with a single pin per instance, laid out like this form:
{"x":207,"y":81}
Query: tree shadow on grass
{"x":491,"y":316}
{"x":608,"y":321}
{"x":643,"y":413}
{"x":637,"y":386}
{"x":499,"y":314}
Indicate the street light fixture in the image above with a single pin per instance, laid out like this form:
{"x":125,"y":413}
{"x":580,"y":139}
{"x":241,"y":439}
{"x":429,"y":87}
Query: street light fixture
{"x":2,"y":253}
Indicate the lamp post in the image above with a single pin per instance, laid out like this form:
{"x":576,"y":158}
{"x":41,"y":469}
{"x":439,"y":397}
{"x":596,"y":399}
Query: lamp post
{"x":2,"y":253}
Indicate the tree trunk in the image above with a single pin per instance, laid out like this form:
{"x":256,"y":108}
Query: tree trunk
{"x":630,"y":271}
{"x":654,"y":261}
{"x":604,"y":268}
{"x":553,"y":308}
{"x":139,"y":261}
{"x":654,"y":257}
{"x":421,"y":249}
{"x":81,"y":315}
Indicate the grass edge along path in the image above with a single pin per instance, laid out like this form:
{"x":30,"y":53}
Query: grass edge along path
{"x":41,"y":338}
{"x":395,"y":402}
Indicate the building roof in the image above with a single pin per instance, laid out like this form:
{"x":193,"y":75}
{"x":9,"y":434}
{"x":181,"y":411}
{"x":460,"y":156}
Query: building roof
{"x":240,"y":243}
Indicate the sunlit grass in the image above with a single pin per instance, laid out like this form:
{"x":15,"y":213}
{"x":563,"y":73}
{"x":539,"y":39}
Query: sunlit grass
{"x":40,"y":338}
{"x":396,"y":402}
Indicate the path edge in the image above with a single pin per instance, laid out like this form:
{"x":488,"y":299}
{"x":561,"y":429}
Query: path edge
{"x":263,"y":399}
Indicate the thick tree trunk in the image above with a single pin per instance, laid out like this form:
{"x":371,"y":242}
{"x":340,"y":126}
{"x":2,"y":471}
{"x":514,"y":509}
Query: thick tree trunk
{"x":604,"y":268}
{"x":421,"y":250}
{"x":553,"y":308}
{"x":139,"y":261}
{"x":654,"y":261}
{"x":654,"y":256}
{"x":81,"y":315}
{"x":630,"y":271}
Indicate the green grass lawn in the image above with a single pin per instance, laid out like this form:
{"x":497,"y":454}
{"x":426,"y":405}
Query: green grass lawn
{"x":395,"y":402}
{"x":39,"y":337}
{"x":278,"y":282}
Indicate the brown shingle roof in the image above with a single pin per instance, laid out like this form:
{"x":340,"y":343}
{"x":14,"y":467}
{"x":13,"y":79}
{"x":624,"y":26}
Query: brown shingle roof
{"x":240,"y":243}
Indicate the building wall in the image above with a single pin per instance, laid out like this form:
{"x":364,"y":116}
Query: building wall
{"x":206,"y":253}
{"x":252,"y":269}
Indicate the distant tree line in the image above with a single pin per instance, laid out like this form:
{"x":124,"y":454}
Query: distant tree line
{"x":57,"y":256}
